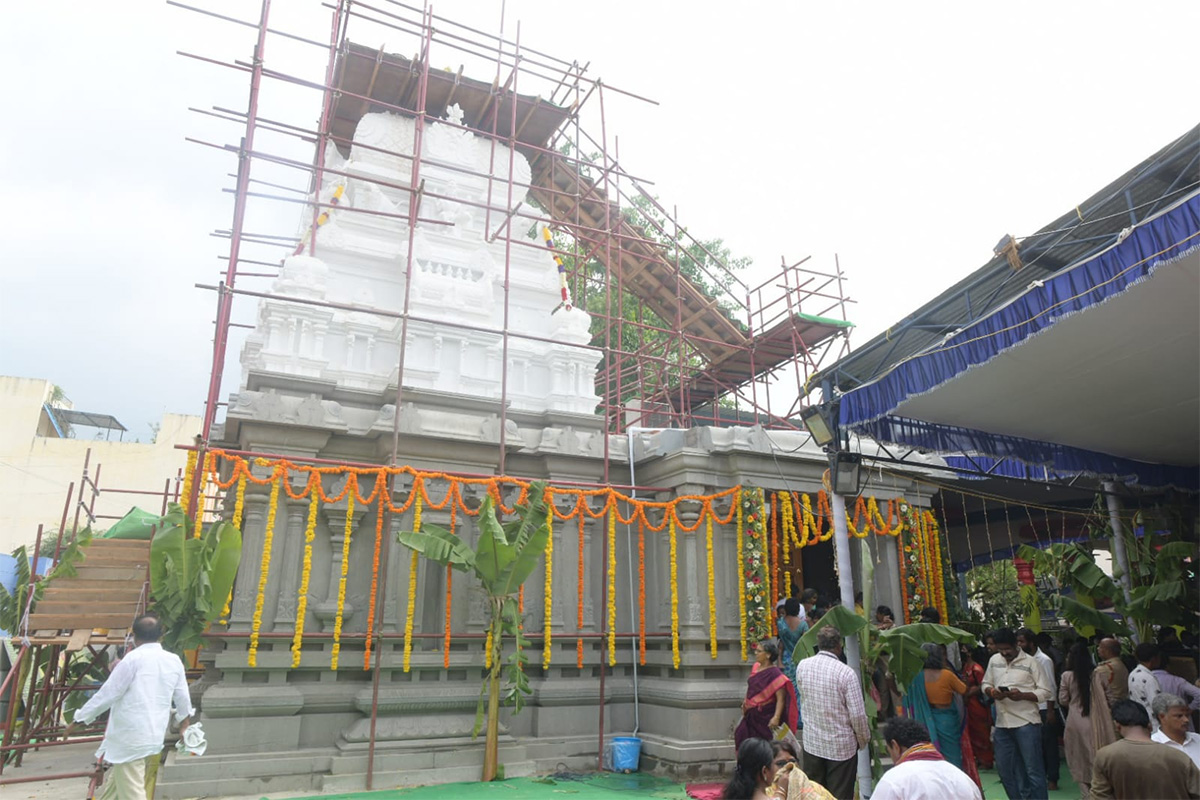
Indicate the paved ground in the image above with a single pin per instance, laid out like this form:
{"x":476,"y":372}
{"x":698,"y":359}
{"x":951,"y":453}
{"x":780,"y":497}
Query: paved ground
{"x":79,"y":758}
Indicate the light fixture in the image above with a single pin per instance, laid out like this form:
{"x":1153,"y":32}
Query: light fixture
{"x":817,"y":419}
{"x":845,"y":468}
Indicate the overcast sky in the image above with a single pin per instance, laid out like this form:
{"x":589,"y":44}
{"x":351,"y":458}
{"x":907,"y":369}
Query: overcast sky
{"x":905,"y":137}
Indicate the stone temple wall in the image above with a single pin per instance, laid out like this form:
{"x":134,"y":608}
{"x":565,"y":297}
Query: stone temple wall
{"x":273,"y":727}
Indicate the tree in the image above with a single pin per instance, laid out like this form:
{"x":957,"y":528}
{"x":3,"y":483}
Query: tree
{"x":994,"y":595}
{"x":503,"y":558}
{"x":708,"y":264}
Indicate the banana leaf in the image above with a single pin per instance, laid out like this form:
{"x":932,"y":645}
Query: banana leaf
{"x":1082,"y":616}
{"x":440,"y":546}
{"x":903,"y":645}
{"x":495,"y":554}
{"x":167,"y":546}
{"x":843,"y":619}
{"x":225,"y":545}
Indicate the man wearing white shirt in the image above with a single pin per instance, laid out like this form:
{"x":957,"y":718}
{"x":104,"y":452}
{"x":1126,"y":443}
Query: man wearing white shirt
{"x":1171,"y":711}
{"x":1027,"y":641}
{"x":138,"y":694}
{"x":1143,"y":686}
{"x":920,"y":772}
{"x":1017,"y":682}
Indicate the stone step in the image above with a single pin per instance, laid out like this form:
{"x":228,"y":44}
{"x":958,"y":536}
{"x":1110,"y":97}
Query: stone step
{"x":190,"y":769}
{"x":461,"y":753}
{"x":421,"y":777}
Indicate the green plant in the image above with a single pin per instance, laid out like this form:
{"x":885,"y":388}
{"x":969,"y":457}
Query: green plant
{"x":13,"y":605}
{"x":191,"y":577}
{"x":994,"y":595}
{"x":504,"y":557}
{"x":1072,"y":565}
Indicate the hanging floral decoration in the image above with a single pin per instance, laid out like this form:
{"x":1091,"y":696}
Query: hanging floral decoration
{"x":310,"y":532}
{"x":755,"y":583}
{"x":548,"y":590}
{"x":202,"y":496}
{"x":374,"y":578}
{"x":741,"y":559}
{"x":189,"y":472}
{"x":347,"y":530}
{"x":264,"y":568}
{"x":797,"y":526}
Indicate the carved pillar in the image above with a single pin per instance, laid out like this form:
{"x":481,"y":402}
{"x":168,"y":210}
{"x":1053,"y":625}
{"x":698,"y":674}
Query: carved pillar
{"x":288,"y":569}
{"x":693,"y":569}
{"x":246,"y":586}
{"x":335,"y":522}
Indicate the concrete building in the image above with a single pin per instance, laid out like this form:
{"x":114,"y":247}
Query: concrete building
{"x":38,"y":462}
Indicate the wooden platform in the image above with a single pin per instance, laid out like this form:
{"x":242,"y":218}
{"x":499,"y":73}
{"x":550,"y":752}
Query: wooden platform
{"x":96,"y":606}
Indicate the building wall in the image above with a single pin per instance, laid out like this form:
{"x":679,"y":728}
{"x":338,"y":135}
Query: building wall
{"x":36,"y":471}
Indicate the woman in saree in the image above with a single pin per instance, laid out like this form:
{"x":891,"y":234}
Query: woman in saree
{"x":791,"y":626}
{"x":770,"y":697}
{"x":979,"y":716}
{"x":934,"y":699}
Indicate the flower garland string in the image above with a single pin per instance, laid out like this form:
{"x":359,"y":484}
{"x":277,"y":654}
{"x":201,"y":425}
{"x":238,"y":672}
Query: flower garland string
{"x":264,"y":568}
{"x":310,"y":529}
{"x":580,"y":505}
{"x":548,"y":589}
{"x":374,"y":577}
{"x":347,"y":529}
{"x":741,"y":582}
{"x":189,"y":469}
{"x":612,"y":585}
{"x":210,"y":461}
{"x":642,"y":592}
{"x":712,"y":586}
{"x":412,"y":592}
{"x":674,"y":589}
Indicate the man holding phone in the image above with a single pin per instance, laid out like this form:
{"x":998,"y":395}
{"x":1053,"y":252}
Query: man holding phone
{"x":1017,"y":683}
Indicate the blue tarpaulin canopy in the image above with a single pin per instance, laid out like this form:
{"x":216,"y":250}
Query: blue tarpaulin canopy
{"x":1092,"y":367}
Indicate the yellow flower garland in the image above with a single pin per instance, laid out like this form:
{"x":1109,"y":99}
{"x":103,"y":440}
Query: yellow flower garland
{"x":487,"y":656}
{"x":185,"y":494}
{"x":787,"y":526}
{"x":412,"y":589}
{"x":674,"y":591}
{"x":239,"y":503}
{"x":264,"y":570}
{"x":310,"y":531}
{"x":209,"y":465}
{"x":741,"y":581}
{"x":612,"y":585}
{"x":549,"y":589}
{"x":712,"y":586}
{"x":761,"y":497}
{"x":341,"y":600}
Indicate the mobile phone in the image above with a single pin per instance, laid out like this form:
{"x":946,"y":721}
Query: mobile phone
{"x":1003,"y":689}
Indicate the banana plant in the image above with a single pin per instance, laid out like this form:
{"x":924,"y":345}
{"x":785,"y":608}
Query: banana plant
{"x":191,"y":577}
{"x":1072,"y":565}
{"x":504,"y":557}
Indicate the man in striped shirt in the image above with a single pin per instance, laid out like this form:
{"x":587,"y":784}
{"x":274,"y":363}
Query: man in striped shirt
{"x":835,"y":719}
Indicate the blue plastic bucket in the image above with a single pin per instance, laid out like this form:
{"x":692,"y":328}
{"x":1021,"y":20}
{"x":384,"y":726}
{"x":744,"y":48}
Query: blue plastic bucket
{"x":626,"y":752}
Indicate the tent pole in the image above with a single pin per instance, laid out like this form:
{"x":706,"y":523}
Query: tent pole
{"x":1118,"y":539}
{"x":841,"y":539}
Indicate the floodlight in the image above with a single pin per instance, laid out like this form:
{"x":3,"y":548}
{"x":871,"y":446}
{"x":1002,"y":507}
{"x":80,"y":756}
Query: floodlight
{"x":817,"y":420}
{"x":845,"y":468}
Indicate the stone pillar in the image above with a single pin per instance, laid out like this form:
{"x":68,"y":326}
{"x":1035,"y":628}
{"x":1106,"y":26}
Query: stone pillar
{"x":253,"y":534}
{"x":289,"y":569}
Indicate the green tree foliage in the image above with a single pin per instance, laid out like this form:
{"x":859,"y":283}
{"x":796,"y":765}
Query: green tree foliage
{"x":706,"y":263}
{"x":502,"y":560}
{"x":994,"y":595}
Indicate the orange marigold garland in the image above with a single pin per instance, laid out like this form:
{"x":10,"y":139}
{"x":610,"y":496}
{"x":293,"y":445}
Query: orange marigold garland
{"x":374,"y":572}
{"x":264,"y":570}
{"x":741,"y":582}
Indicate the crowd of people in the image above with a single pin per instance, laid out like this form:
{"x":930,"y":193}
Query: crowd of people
{"x":1020,"y":703}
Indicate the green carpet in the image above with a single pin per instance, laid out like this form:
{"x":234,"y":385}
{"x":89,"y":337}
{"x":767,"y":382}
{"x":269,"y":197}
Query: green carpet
{"x":993,"y":789}
{"x":594,"y":786}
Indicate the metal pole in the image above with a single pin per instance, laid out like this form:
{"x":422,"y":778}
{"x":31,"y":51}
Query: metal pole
{"x":1118,"y":539}
{"x":841,"y":540}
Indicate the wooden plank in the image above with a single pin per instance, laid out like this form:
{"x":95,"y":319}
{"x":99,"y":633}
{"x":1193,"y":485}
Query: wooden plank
{"x":91,"y":583}
{"x":117,"y":544}
{"x":83,"y":608}
{"x":84,"y":572}
{"x":123,"y":594}
{"x":107,"y":559}
{"x":78,"y":639}
{"x":70,"y":622}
